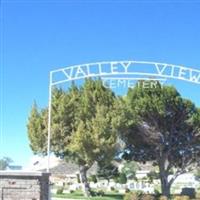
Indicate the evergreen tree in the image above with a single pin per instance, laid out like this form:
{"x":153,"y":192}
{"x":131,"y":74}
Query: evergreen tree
{"x":166,"y":131}
{"x":37,"y":130}
{"x":82,"y":128}
{"x":107,"y":171}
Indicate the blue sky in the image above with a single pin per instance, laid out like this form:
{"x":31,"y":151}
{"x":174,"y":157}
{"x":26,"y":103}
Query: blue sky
{"x":39,"y":36}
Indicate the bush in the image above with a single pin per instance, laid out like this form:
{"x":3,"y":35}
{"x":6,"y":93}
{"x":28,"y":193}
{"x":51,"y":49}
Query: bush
{"x":157,"y":193}
{"x":182,"y":197}
{"x":122,"y":179}
{"x":71,"y":191}
{"x":97,"y":193}
{"x":139,"y":193}
{"x":112,"y":188}
{"x":93,"y":193}
{"x":100,"y":193}
{"x":148,"y":197}
{"x":152,"y":175}
{"x":131,"y":196}
{"x":163,"y":198}
{"x":59,"y":191}
{"x":93,"y":178}
{"x":138,"y":196}
{"x":127,"y":190}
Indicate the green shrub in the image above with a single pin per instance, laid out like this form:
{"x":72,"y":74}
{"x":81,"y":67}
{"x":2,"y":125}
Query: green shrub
{"x":127,"y":190}
{"x":93,"y":178}
{"x":97,"y":193}
{"x":152,"y":175}
{"x":112,"y":188}
{"x":139,"y":193}
{"x":131,"y":196}
{"x":59,"y":191}
{"x":163,"y":198}
{"x":71,"y":191}
{"x":93,"y":193}
{"x":157,"y":193}
{"x":100,"y":193}
{"x":148,"y":197}
{"x":122,"y":179}
{"x":182,"y":197}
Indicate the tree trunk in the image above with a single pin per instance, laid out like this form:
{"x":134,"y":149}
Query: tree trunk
{"x":165,"y":185}
{"x":84,"y":181}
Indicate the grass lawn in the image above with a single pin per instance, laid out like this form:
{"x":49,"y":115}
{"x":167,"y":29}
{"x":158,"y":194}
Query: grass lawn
{"x":79,"y":195}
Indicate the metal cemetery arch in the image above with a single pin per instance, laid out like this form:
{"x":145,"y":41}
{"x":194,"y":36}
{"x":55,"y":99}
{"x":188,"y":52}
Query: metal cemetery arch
{"x":119,"y":70}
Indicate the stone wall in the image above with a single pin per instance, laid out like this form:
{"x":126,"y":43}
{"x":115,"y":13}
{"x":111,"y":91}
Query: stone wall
{"x":24,"y":185}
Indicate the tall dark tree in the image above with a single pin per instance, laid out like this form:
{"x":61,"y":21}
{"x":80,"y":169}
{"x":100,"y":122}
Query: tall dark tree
{"x":107,"y":171}
{"x":166,"y":130}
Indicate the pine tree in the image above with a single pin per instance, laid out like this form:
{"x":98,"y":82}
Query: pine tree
{"x":167,"y":131}
{"x":82,"y":128}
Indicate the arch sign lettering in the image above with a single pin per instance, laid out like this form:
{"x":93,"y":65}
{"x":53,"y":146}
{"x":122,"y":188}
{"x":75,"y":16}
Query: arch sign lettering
{"x":120,"y":74}
{"x":125,"y":70}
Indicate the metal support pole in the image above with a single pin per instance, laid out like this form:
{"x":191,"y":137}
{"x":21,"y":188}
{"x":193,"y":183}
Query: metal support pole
{"x":49,"y":123}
